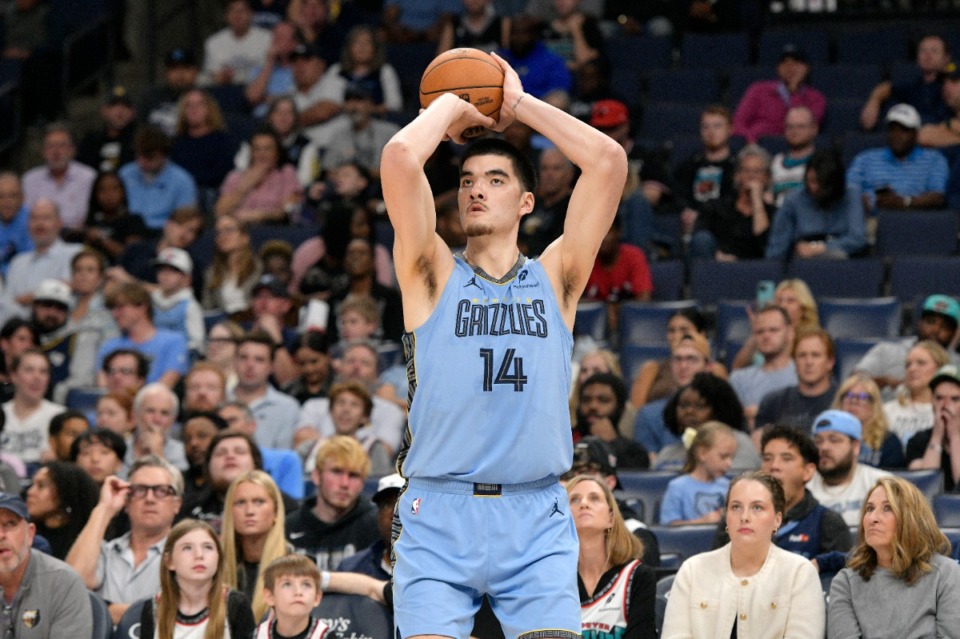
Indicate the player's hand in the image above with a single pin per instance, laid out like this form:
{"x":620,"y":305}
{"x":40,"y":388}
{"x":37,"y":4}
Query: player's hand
{"x":467,"y":123}
{"x":512,"y":94}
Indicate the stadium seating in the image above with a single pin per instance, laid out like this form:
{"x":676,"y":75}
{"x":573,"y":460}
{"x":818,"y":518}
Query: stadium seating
{"x":662,"y":120}
{"x":679,"y":543}
{"x":858,"y":317}
{"x":840,"y":278}
{"x":930,"y":482}
{"x":872,"y":45}
{"x":914,"y":278}
{"x":633,"y":356}
{"x":84,"y":399}
{"x":712,"y":281}
{"x":930,"y":233}
{"x":846,"y":81}
{"x":643,"y":492}
{"x":733,"y":324}
{"x":946,"y":508}
{"x":849,"y":352}
{"x":716,"y":50}
{"x":815,"y":43}
{"x":591,"y":320}
{"x":645,"y":322}
{"x":667,"y":280}
{"x":694,"y":86}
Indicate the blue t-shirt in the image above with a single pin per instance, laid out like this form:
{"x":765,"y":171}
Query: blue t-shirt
{"x":14,"y":238}
{"x":154,"y":200}
{"x":687,"y":498}
{"x":166,"y":351}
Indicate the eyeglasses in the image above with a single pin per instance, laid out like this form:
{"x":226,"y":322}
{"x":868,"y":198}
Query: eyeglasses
{"x":863,"y":398}
{"x":220,"y":340}
{"x":139,"y":491}
{"x":686,"y":359}
{"x":121,"y":370}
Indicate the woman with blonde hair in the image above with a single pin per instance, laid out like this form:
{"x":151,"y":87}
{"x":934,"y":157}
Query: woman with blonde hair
{"x":609,"y":566}
{"x":253,"y":534}
{"x":202,"y":145}
{"x":898,"y":581}
{"x":229,"y":280}
{"x":912,"y":410}
{"x":193,"y":601}
{"x":860,"y":396}
{"x":794,"y":296}
{"x":749,"y":588}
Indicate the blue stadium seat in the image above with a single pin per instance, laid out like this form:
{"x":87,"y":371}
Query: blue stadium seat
{"x":712,"y":281}
{"x":591,"y":320}
{"x":293,"y":235}
{"x":664,"y":585}
{"x":930,"y":482}
{"x":846,"y":81}
{"x":929,"y":233}
{"x":697,"y":86}
{"x":213,"y":317}
{"x":629,"y":88}
{"x":739,"y":79}
{"x":849,"y":352}
{"x":633,"y":356}
{"x":667,"y":280}
{"x":679,"y":543}
{"x":860,"y":317}
{"x":389,"y":355}
{"x":102,"y":622}
{"x":663,"y":120}
{"x":641,"y":53}
{"x":643,"y":491}
{"x":853,"y":142}
{"x":683,"y":146}
{"x":842,"y":115}
{"x":946,"y":508}
{"x":840,"y":278}
{"x":715,"y":50}
{"x":873,"y":45}
{"x":646,"y":322}
{"x":410,"y":59}
{"x":914,"y":278}
{"x":733,"y":324}
{"x":814,"y":42}
{"x":84,"y":399}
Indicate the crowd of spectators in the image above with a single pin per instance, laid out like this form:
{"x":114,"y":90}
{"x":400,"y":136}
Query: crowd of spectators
{"x":199,"y":320}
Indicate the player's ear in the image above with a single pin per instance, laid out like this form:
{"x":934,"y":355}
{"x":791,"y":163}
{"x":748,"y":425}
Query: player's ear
{"x":526,"y":203}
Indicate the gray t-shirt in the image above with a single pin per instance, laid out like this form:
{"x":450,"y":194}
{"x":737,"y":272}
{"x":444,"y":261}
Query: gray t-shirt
{"x":752,"y":383}
{"x":52,"y":601}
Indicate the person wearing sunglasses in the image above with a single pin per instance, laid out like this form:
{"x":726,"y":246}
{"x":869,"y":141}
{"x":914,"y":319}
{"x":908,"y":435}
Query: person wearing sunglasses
{"x":127,"y":568}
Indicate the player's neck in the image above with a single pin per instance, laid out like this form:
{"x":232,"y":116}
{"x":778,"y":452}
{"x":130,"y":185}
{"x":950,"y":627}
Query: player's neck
{"x":495,"y":258}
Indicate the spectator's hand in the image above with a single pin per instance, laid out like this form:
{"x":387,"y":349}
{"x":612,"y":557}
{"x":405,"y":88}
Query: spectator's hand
{"x":317,"y":190}
{"x":713,"y":516}
{"x":720,"y":256}
{"x":254,"y":176}
{"x":272,"y":325}
{"x":114,"y":494}
{"x":118,"y":275}
{"x":604,"y":429}
{"x":25,"y":300}
{"x":887,"y":381}
{"x":573,"y":22}
{"x":889,"y":199}
{"x":688,"y":218}
{"x":223,"y":76}
{"x":869,"y":116}
{"x":810,"y":249}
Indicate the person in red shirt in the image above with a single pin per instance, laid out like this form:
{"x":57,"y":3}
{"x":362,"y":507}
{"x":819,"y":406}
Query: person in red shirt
{"x":620,"y":273}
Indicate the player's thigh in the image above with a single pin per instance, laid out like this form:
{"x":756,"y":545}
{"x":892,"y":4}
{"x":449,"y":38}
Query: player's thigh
{"x":533,"y":583}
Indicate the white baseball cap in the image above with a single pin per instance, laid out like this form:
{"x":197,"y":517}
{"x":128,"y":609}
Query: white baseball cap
{"x":51,"y":290}
{"x":177,"y":258}
{"x":904,"y":114}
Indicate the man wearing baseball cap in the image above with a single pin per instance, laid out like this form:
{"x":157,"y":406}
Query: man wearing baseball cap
{"x":841,"y":483}
{"x":45,"y":597}
{"x":938,"y":321}
{"x":900,"y":175}
{"x":72,"y":352}
{"x":939,"y":447}
{"x":174,"y":306}
{"x":111,"y":146}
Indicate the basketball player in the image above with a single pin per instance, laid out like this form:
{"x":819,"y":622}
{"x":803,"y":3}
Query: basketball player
{"x":488,"y":351}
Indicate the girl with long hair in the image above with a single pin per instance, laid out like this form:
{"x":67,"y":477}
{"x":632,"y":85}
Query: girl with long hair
{"x":253,"y":534}
{"x":229,"y":280}
{"x":912,"y":410}
{"x":860,"y":396}
{"x":193,"y":600}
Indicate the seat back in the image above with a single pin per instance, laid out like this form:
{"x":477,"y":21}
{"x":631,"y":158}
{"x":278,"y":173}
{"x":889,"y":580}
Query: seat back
{"x":646,"y":322}
{"x":633,"y":356}
{"x":667,"y":278}
{"x":643,"y":491}
{"x":912,"y":279}
{"x":860,"y":317}
{"x":102,"y":622}
{"x":712,"y":281}
{"x":715,"y":50}
{"x":927,"y":233}
{"x":840,"y":278}
{"x":679,"y":543}
{"x":930,"y":482}
{"x":849,"y":352}
{"x":591,"y":320}
{"x":946,"y":508}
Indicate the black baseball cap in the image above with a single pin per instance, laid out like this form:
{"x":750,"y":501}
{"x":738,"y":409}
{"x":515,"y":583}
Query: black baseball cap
{"x":305,"y":51}
{"x":790,"y":50}
{"x":272,"y":284}
{"x":594,"y":451}
{"x":13,"y":503}
{"x":119,"y":95}
{"x":180,"y":57}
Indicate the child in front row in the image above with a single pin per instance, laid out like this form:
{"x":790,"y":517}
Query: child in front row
{"x":697,"y":496}
{"x":291,"y":587}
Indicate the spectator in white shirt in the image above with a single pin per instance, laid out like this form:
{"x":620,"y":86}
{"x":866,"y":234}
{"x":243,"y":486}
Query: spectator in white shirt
{"x":232,"y":54}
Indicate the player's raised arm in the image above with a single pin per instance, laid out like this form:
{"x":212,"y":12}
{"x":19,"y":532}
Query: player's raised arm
{"x":595,"y":198}
{"x":407,"y":192}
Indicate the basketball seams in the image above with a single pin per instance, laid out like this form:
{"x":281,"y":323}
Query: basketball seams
{"x":479,"y":86}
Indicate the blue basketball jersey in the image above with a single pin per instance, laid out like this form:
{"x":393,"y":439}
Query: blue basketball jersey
{"x":489,"y":379}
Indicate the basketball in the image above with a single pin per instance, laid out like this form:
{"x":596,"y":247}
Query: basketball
{"x":470,"y":74}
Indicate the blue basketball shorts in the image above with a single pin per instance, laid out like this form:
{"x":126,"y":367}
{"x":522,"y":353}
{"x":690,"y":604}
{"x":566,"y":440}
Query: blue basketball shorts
{"x":456,"y":541}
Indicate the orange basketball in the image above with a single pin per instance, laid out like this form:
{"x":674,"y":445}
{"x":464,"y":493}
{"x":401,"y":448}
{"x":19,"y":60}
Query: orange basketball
{"x":471,"y":74}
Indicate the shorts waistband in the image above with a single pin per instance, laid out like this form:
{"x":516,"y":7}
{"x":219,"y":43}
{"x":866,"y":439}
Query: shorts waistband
{"x":479,"y":490}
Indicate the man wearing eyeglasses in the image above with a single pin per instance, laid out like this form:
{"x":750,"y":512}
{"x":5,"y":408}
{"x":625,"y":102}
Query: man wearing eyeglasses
{"x":127,"y":568}
{"x":40,"y":596}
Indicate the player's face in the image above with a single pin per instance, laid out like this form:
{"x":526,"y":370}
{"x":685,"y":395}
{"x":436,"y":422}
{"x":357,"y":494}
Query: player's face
{"x":490,"y":196}
{"x":338,"y":486}
{"x":813,"y":363}
{"x":254,"y":512}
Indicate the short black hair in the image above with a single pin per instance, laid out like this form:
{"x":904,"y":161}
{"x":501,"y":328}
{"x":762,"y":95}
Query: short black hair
{"x":58,"y":421}
{"x":143,"y":364}
{"x":521,"y":164}
{"x":103,"y":436}
{"x":219,"y":422}
{"x":724,"y":404}
{"x":794,"y":437}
